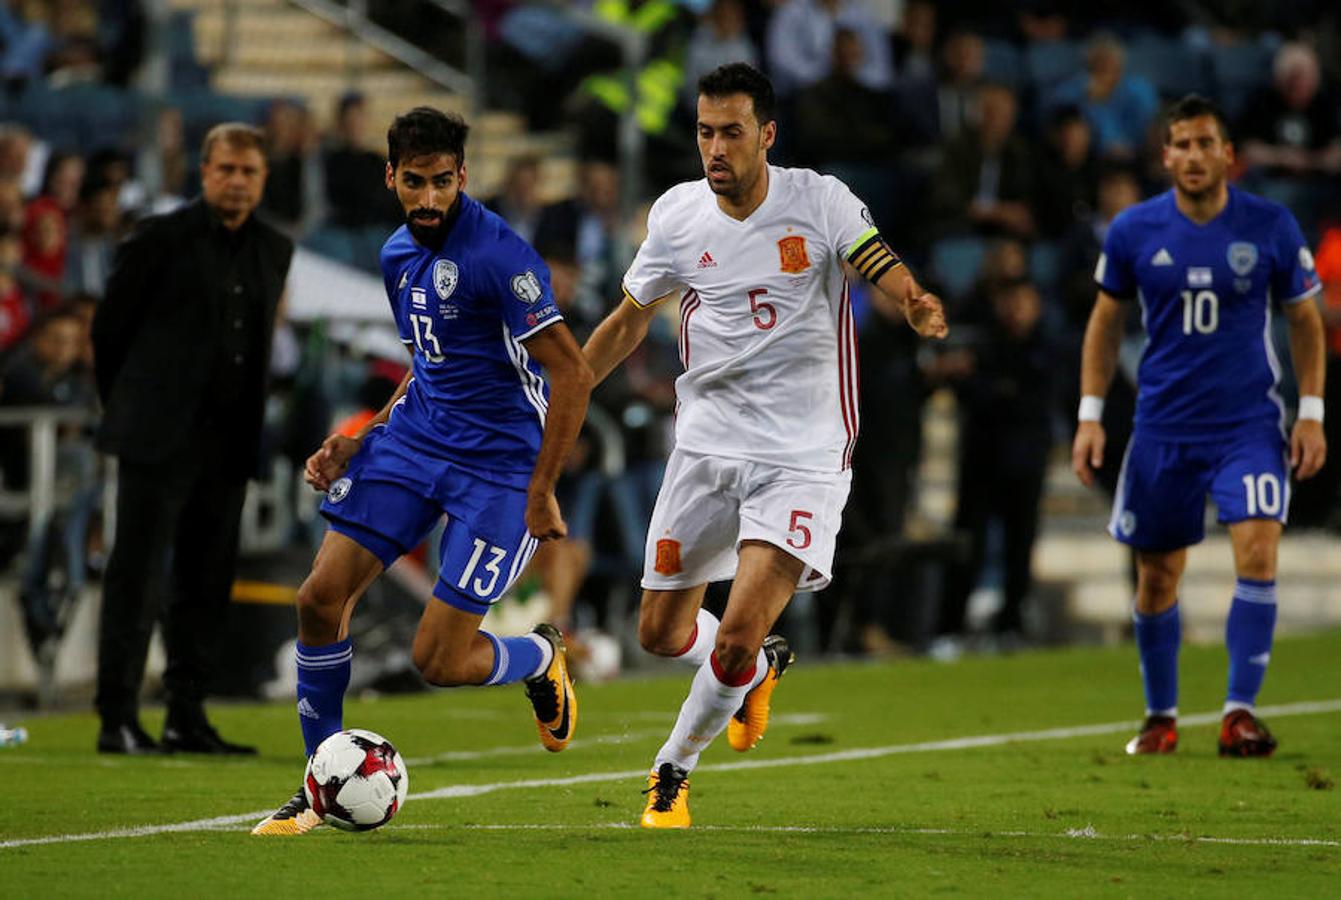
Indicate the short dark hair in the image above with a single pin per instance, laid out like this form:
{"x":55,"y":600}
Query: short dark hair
{"x":425,"y":131}
{"x":237,"y":135}
{"x":741,"y":78}
{"x":1194,"y":106}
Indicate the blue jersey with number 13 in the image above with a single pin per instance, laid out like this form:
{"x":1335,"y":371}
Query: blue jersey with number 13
{"x":477,"y":398}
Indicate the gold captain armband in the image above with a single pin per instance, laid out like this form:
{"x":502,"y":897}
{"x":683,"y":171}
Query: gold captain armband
{"x":872,"y":257}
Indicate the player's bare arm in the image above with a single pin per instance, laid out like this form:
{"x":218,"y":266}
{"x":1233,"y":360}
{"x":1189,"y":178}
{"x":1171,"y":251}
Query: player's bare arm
{"x":617,"y":335}
{"x":897,"y":293}
{"x":570,"y":383}
{"x":1308,"y":444}
{"x":334,"y":454}
{"x":1098,"y":362}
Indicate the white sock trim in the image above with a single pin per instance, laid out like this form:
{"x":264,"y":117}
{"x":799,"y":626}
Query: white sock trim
{"x":1231,"y":705}
{"x":546,"y":654}
{"x":1171,"y":712}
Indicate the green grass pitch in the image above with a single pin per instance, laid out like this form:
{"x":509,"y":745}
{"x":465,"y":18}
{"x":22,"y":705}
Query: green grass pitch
{"x":894,"y":779}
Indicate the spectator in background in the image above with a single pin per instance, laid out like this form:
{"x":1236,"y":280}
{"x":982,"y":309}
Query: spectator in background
{"x":841,"y":120}
{"x":1068,"y":174}
{"x":18,"y":159}
{"x":15,"y":311}
{"x":585,"y":227}
{"x":186,"y":326}
{"x":961,"y":80}
{"x":95,"y":230}
{"x":986,"y":179}
{"x":1291,"y":126}
{"x":61,"y":179}
{"x":47,"y":369}
{"x":355,"y":174}
{"x":288,"y":138}
{"x":800,"y":44}
{"x":25,"y":40}
{"x":44,"y":248}
{"x":1004,"y":439}
{"x":162,"y":165}
{"x":913,"y":44}
{"x":719,"y":38}
{"x":519,"y":200}
{"x":11,"y":206}
{"x":1119,"y":106}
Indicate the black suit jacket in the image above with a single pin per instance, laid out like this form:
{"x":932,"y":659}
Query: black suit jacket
{"x":158,"y":333}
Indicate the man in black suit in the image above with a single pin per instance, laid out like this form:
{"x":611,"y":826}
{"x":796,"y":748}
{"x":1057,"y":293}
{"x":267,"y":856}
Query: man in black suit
{"x":182,"y":344}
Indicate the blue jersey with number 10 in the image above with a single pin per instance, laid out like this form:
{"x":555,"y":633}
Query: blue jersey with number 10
{"x":477,"y":399}
{"x":1207,"y":293}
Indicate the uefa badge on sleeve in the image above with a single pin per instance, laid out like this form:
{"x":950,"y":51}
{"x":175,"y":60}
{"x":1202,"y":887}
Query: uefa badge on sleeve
{"x":526,"y":287}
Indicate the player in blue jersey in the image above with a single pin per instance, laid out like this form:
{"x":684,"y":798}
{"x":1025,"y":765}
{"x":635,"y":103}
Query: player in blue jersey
{"x":472,"y":432}
{"x":1210,"y":265}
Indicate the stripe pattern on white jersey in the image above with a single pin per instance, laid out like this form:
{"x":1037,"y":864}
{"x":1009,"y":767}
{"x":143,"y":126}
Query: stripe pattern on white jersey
{"x":849,"y":391}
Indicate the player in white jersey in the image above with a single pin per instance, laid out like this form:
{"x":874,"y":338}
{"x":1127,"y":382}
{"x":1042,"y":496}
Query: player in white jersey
{"x":767,"y":415}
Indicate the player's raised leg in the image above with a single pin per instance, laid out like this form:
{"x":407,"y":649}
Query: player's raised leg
{"x":1248,"y":635}
{"x":674,"y":624}
{"x":1158,"y":628}
{"x":451,"y":650}
{"x":766,"y":578}
{"x":340,"y":574}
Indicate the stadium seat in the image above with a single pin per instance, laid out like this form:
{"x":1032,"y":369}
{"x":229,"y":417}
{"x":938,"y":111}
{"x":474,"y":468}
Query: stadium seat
{"x":203,"y":109}
{"x":1048,"y":63}
{"x":956,"y":261}
{"x":1173,"y":67}
{"x":1238,"y":70}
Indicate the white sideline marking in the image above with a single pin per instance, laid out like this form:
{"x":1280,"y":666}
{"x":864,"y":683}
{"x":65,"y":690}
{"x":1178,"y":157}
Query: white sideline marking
{"x":1087,"y":833}
{"x":475,"y":790}
{"x":534,"y":749}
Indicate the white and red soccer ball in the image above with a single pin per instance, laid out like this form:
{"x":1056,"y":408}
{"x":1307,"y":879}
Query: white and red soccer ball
{"x":356,"y":780}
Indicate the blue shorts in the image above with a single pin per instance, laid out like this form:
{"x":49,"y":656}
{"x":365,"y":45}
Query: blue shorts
{"x":1160,"y":504}
{"x":392,"y":496}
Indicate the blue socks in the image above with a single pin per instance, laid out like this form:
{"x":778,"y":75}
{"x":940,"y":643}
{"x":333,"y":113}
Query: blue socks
{"x":1248,"y":633}
{"x":323,"y":677}
{"x":516,"y":658}
{"x":1157,"y":639}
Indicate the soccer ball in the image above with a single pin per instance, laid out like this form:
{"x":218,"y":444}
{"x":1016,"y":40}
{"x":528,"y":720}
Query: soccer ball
{"x":356,"y":780}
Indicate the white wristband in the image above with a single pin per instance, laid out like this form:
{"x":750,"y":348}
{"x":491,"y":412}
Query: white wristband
{"x":1310,"y":407}
{"x":1091,"y":409}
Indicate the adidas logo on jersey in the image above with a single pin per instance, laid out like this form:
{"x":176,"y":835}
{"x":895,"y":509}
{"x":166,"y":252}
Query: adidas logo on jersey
{"x":1162,"y":258}
{"x":706,"y":261}
{"x":307,"y":710}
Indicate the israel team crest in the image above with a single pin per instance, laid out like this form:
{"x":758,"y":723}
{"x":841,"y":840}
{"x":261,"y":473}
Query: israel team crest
{"x":1242,"y":257}
{"x":445,"y":276}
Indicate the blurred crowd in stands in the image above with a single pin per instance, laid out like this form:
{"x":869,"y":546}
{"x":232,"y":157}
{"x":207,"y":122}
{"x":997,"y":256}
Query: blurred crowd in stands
{"x":994,"y":143}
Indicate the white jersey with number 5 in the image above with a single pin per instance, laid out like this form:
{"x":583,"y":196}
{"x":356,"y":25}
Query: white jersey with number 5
{"x":766,"y":331}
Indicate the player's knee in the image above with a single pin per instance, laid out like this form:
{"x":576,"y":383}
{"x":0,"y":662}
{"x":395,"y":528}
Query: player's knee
{"x":736,"y":651}
{"x":1156,"y":589}
{"x":319,"y":608}
{"x":655,"y":639}
{"x":439,"y":669}
{"x":1257,"y":559}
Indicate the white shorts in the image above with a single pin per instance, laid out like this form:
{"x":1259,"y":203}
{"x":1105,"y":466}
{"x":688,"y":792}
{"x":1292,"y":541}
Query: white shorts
{"x":709,"y":504}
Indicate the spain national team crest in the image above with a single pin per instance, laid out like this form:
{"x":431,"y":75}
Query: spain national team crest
{"x":668,"y":557}
{"x":445,"y":276}
{"x":1242,"y":257}
{"x":792,"y":252}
